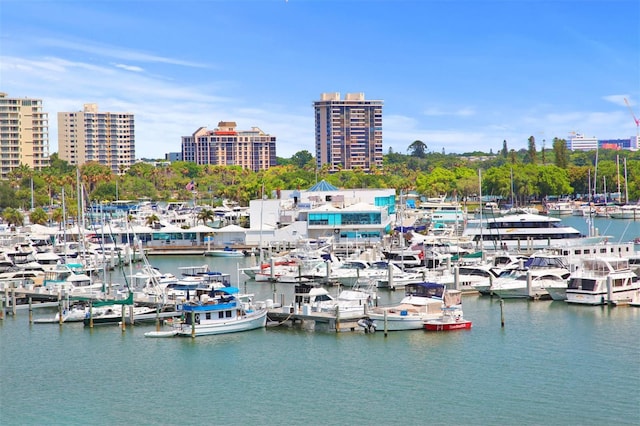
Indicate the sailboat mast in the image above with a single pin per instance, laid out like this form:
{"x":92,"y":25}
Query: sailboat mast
{"x":626,"y":187}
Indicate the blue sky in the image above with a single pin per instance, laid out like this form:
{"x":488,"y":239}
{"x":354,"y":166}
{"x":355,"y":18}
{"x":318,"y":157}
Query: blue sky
{"x":457,"y":75}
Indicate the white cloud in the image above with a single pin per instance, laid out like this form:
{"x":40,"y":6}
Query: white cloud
{"x":129,"y":67}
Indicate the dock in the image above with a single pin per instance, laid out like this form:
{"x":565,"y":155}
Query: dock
{"x":339,"y":323}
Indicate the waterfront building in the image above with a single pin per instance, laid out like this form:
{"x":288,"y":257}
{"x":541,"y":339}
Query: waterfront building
{"x":348,"y":132}
{"x":107,"y":138}
{"x":226,"y":146}
{"x":24,"y":132}
{"x":321,"y":212}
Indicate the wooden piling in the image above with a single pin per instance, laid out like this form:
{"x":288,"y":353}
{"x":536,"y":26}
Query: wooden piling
{"x":158,"y":318}
{"x":2,"y":308}
{"x":502,"y":313}
{"x":337,"y":319}
{"x":13,"y":301}
{"x":386,"y":329}
{"x":90,"y":314}
{"x":30,"y":310}
{"x":193,"y":324}
{"x":123,"y":314}
{"x":60,"y":309}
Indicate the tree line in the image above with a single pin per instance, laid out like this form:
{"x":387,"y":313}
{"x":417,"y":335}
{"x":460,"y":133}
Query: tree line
{"x":526,"y":174}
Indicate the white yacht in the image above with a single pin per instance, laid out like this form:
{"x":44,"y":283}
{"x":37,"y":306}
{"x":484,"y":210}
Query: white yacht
{"x":520,"y":231}
{"x":603,"y":280}
{"x":541,"y":270}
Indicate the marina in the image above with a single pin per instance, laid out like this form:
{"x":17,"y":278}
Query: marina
{"x":339,"y":355}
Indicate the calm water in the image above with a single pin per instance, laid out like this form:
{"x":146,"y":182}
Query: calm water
{"x":552,"y":363}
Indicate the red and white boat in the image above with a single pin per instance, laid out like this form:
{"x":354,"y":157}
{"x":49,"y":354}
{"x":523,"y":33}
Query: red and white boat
{"x":452,"y":317}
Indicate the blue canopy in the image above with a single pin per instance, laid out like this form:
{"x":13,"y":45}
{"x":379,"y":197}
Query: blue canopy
{"x":323,"y":185}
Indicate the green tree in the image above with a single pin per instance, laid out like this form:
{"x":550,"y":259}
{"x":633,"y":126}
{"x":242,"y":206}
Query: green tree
{"x":13,"y":216}
{"x":531,"y":151}
{"x":38,"y":216}
{"x":301,"y":158}
{"x":561,"y":152}
{"x":417,"y":149}
{"x":206,"y":215}
{"x":505,"y":151}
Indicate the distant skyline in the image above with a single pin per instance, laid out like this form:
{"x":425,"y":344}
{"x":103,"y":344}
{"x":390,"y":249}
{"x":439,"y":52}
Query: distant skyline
{"x":458,"y":75}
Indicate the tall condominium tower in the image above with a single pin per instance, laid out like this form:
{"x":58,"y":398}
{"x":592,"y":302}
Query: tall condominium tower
{"x":251,"y":149}
{"x":105,"y":137}
{"x":24,"y":134}
{"x":348,"y":131}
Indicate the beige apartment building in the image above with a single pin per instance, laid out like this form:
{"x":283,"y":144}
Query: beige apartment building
{"x":24,"y":134}
{"x":226,"y":146}
{"x":90,"y":135}
{"x":348,"y":131}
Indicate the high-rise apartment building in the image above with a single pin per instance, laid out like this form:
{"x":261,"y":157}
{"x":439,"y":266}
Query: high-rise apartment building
{"x":225,"y":146}
{"x":105,"y":137}
{"x":348,"y":131}
{"x":24,"y":134}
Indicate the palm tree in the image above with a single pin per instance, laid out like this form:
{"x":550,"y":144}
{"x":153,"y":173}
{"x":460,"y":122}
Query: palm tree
{"x":38,"y":216}
{"x":152,"y":220}
{"x":206,"y":215}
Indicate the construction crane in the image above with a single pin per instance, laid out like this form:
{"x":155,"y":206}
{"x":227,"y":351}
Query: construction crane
{"x":635,"y":120}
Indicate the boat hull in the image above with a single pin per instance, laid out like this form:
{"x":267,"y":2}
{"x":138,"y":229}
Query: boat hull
{"x":257,"y":319}
{"x":224,"y":253}
{"x":398,"y":322}
{"x":437,"y":325}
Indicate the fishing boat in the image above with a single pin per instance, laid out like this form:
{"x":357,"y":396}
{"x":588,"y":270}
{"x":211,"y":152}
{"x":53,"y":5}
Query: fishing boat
{"x":603,"y":280}
{"x":225,"y":252}
{"x":422,"y":301}
{"x":217,"y":311}
{"x":452,"y":317}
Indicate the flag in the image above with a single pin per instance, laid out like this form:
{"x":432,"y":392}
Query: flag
{"x":190,"y":186}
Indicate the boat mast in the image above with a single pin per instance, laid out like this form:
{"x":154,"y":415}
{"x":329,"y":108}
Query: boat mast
{"x":480,"y":198}
{"x":626,"y":188}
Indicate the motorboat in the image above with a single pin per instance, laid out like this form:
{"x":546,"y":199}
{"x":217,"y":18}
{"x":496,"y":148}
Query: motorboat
{"x":216,"y":312}
{"x":602,"y":280}
{"x":352,"y":301}
{"x":225,"y":252}
{"x":628,"y":211}
{"x":540,"y":270}
{"x":452,"y":317}
{"x":422,"y":302}
{"x":520,"y":231}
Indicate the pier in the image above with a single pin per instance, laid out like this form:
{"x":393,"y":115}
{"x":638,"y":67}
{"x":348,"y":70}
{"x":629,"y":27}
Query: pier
{"x":336,"y":322}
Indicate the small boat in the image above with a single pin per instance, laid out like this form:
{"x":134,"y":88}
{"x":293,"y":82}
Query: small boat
{"x":422,"y":302}
{"x":161,"y":333}
{"x":217,"y":311}
{"x":452,"y":317}
{"x":225,"y":252}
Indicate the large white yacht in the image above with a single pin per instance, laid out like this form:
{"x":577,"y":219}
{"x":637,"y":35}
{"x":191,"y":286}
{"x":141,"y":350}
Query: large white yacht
{"x":519,"y":231}
{"x":603,"y":280}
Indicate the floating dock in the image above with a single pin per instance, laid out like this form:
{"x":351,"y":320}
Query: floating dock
{"x":347,"y":321}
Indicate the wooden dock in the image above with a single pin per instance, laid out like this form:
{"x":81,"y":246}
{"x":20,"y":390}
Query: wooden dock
{"x":338,"y":323}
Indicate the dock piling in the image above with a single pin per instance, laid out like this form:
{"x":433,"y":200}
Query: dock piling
{"x":386,"y":330}
{"x":502,"y":313}
{"x":13,"y":301}
{"x":30,"y":310}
